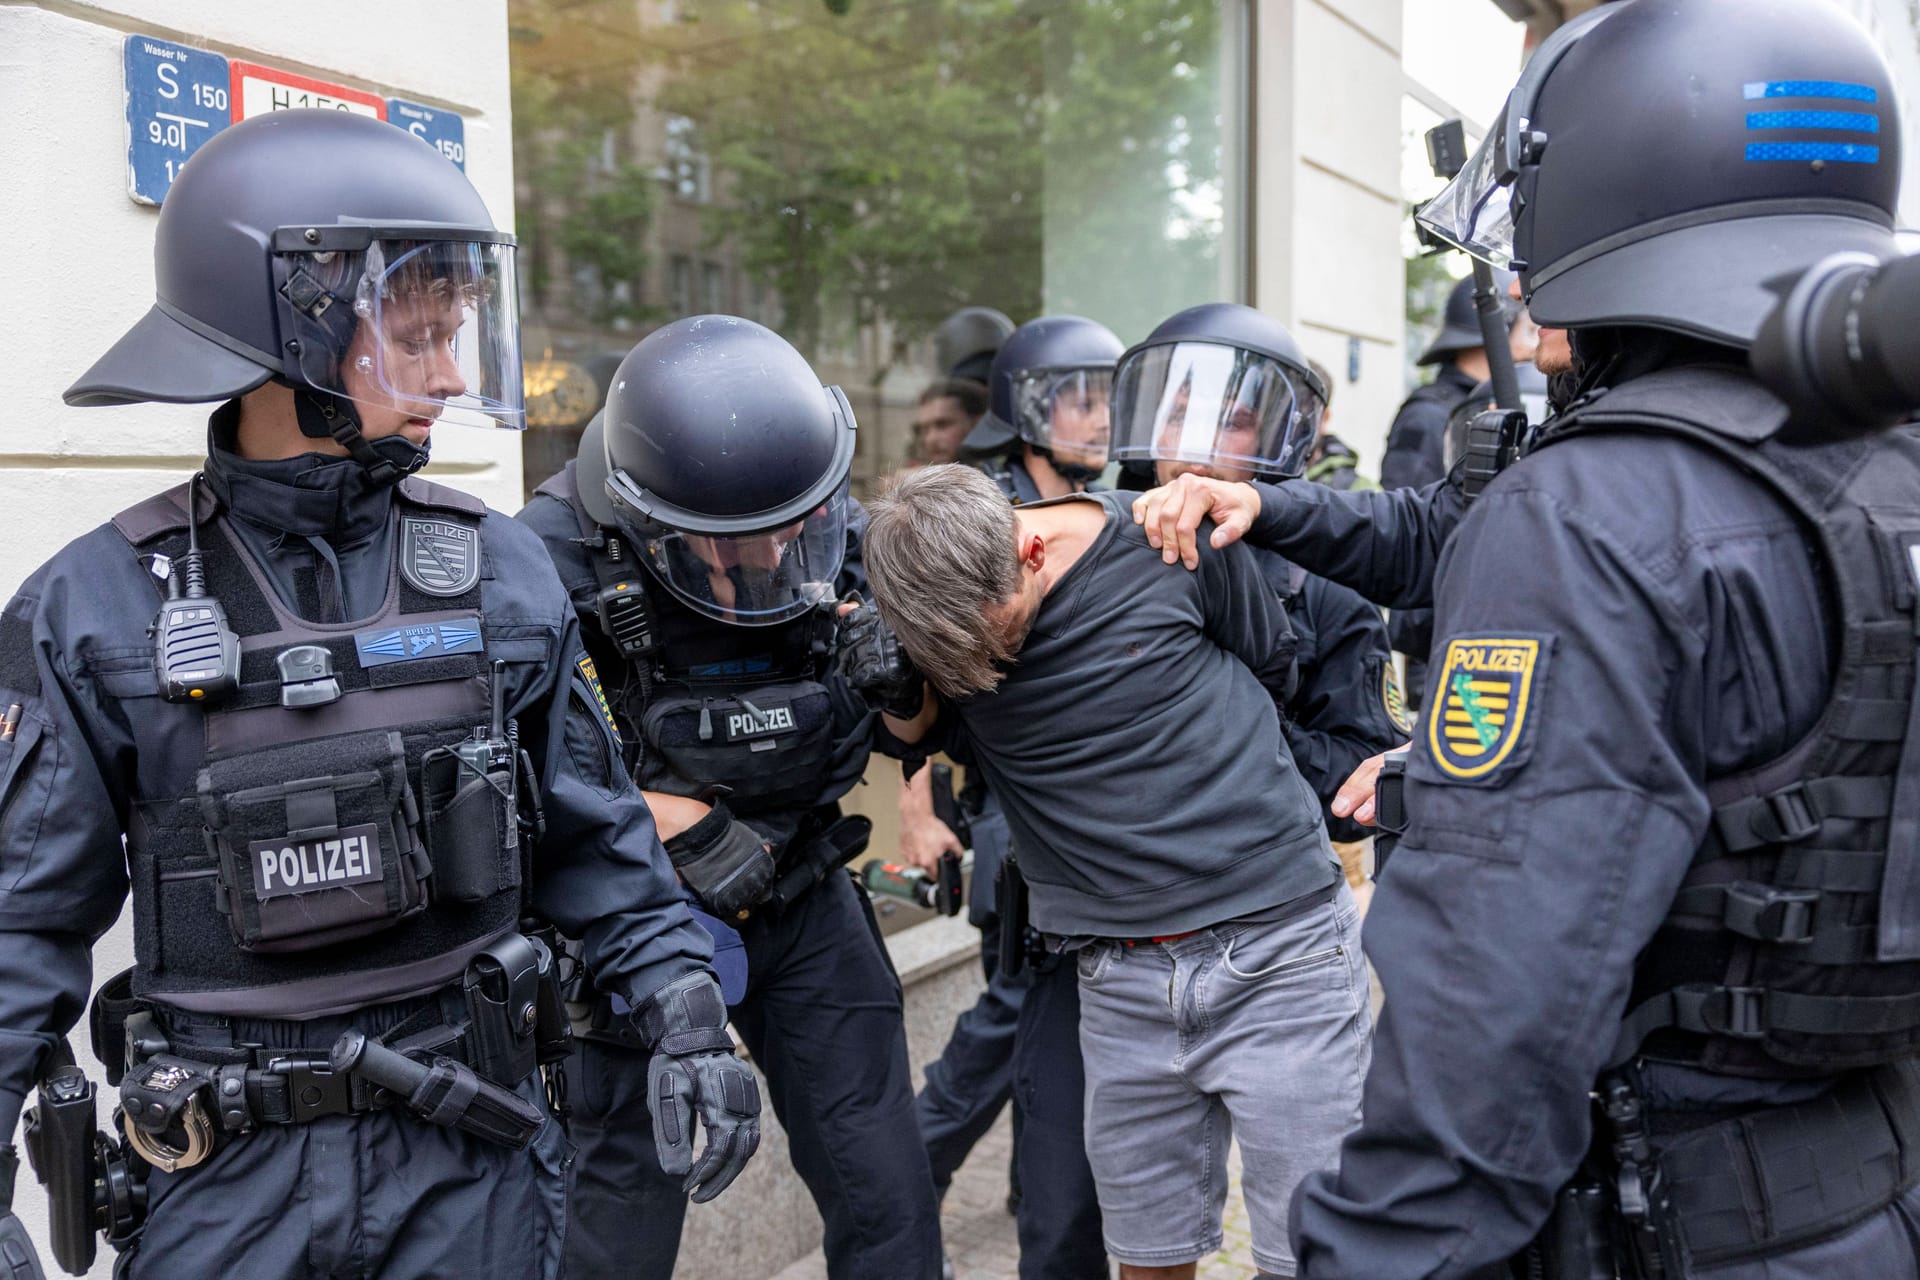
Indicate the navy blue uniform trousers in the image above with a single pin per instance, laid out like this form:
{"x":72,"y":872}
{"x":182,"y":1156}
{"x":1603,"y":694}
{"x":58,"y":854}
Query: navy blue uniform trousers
{"x":822,"y":1018}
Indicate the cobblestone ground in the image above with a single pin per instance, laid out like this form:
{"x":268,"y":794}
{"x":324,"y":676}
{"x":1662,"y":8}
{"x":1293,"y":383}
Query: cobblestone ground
{"x":979,"y":1231}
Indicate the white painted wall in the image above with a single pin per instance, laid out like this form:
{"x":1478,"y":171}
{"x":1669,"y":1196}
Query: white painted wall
{"x":1895,"y":25}
{"x":78,"y":254}
{"x":1327,"y":197}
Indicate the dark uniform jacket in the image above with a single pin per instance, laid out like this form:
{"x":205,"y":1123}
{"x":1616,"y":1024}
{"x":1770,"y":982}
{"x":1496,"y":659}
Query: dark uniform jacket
{"x":76,"y":656}
{"x":1346,"y":705}
{"x":1630,"y":616}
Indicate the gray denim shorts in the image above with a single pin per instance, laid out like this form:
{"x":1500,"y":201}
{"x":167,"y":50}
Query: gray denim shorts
{"x":1251,"y":1030}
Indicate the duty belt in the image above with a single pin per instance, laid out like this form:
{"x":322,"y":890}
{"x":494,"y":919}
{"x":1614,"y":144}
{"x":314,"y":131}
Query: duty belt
{"x":1760,"y":1184}
{"x":456,"y":1061}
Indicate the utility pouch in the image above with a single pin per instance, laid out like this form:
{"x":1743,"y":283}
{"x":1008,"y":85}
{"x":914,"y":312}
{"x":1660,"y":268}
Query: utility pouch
{"x":503,"y":1005}
{"x":472,"y":828}
{"x":113,"y":1004}
{"x":331,"y":856}
{"x":1010,"y":891}
{"x":768,"y":746}
{"x":552,"y":1029}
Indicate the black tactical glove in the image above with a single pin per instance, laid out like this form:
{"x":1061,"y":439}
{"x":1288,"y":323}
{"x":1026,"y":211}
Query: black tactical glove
{"x":694,"y":1068}
{"x":18,"y":1261}
{"x":724,"y":862}
{"x":870,"y":658}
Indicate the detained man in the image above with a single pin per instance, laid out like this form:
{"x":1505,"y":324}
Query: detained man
{"x":1221,"y":986}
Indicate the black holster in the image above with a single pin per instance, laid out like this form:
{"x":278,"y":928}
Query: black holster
{"x":1389,"y":809}
{"x":814,"y":859}
{"x":1010,"y":893}
{"x":1577,"y":1241}
{"x":93,"y":1182}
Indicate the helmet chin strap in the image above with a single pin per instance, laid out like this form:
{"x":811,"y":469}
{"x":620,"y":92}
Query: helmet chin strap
{"x":329,"y":417}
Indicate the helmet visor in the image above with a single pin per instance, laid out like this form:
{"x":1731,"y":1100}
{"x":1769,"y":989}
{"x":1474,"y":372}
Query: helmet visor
{"x":755,"y":579}
{"x":1215,"y":405}
{"x":410,"y":330}
{"x":1475,"y":212}
{"x":1066,"y":411}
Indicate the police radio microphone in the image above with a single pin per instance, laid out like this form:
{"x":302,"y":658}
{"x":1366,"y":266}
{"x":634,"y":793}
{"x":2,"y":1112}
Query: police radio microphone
{"x":1842,"y":348}
{"x":196,"y":655}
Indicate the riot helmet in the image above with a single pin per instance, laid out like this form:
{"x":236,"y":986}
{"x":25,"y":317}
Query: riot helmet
{"x":1657,"y":163}
{"x":727,"y":466}
{"x":964,"y":344}
{"x":1460,"y":322}
{"x":342,"y":257}
{"x":1050,"y":386}
{"x":1219,"y":385}
{"x":590,"y":474}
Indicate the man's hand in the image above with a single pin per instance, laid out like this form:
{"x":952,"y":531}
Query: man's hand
{"x":923,"y":837}
{"x":695,"y":1071}
{"x":1355,"y":799}
{"x":1172,"y":514}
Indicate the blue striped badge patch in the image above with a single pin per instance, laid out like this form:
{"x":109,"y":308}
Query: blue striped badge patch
{"x":1814,"y":119}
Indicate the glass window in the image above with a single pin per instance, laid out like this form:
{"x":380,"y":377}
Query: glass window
{"x":683,"y":286}
{"x":852,"y":179}
{"x":688,"y":171}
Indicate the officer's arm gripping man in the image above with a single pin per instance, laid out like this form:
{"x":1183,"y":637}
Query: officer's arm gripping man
{"x":1537,"y":867}
{"x":1382,"y":543}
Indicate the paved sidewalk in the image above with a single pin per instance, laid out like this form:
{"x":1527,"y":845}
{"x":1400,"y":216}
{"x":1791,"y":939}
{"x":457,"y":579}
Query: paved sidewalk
{"x":979,"y":1231}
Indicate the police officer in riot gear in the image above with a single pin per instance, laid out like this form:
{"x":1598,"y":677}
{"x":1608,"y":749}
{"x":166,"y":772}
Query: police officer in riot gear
{"x":703,"y":533}
{"x":1661,"y":813}
{"x":341,"y":718}
{"x":1045,"y":433}
{"x":1223,"y":390}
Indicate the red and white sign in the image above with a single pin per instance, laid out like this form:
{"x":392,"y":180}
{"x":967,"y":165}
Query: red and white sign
{"x":258,"y":90}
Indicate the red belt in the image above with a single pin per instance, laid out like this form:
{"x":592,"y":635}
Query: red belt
{"x":1165,"y":937}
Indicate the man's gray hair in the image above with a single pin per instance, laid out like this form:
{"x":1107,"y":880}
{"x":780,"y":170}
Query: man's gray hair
{"x":939,"y":551}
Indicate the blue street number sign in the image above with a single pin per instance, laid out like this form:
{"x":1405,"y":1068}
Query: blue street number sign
{"x":177,"y":98}
{"x":444,"y":131}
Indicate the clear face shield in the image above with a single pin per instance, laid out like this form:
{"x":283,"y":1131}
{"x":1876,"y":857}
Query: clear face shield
{"x":1475,"y":211}
{"x":755,"y":579}
{"x":1236,"y":412}
{"x":1066,"y":411}
{"x":409,"y":330}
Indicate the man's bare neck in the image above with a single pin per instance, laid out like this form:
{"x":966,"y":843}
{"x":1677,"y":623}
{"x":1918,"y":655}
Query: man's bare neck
{"x":1069,"y":529}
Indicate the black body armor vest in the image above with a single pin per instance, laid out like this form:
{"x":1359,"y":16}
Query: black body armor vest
{"x":702,"y":705}
{"x":329,"y":852}
{"x":1793,"y":947}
